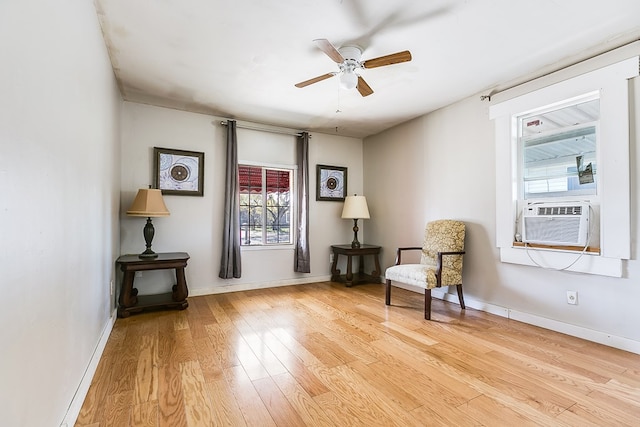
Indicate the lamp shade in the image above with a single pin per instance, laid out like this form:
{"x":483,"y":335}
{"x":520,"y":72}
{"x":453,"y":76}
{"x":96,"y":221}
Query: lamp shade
{"x":355,"y":207}
{"x":348,"y":79}
{"x":148,"y":203}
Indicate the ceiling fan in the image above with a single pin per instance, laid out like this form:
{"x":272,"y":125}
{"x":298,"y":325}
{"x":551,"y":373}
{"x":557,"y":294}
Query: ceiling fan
{"x":348,"y":60}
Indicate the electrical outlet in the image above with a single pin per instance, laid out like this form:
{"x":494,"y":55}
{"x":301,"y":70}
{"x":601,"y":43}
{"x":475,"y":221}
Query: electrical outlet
{"x":572,"y":297}
{"x":111,"y":288}
{"x":331,"y":258}
{"x":138,"y":273}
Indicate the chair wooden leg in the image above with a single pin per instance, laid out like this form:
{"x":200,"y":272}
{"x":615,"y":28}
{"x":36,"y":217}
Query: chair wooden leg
{"x":460,"y":297}
{"x":387,"y":299}
{"x":427,"y":304}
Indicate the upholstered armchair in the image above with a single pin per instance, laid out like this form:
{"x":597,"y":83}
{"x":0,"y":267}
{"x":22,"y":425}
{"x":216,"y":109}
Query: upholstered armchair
{"x":440,"y":262}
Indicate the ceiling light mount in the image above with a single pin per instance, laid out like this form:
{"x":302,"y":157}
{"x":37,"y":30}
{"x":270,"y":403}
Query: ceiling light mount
{"x":348,"y":76}
{"x":351,"y":53}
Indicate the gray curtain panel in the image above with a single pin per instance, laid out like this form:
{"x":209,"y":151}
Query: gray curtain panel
{"x":302,"y":262}
{"x":230,"y":265}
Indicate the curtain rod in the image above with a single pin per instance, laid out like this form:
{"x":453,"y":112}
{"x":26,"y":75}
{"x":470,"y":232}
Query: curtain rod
{"x":545,"y":74}
{"x":263,"y":129}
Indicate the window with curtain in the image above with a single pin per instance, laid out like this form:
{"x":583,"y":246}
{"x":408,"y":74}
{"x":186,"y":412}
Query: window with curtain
{"x":266,"y":205}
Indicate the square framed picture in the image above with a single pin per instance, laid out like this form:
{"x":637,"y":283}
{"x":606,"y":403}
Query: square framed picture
{"x":331,"y":183}
{"x":178,"y":172}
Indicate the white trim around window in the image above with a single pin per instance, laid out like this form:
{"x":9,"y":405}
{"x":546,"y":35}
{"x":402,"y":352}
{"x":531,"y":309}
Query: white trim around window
{"x":614,"y":178}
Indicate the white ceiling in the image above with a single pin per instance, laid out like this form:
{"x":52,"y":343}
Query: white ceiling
{"x":241,"y":58}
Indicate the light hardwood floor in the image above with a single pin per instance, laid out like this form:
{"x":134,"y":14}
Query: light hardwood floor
{"x":326,"y":355}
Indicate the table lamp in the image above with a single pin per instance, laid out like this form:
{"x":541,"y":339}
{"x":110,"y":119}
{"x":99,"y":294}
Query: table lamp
{"x":148,"y":203}
{"x":355,"y":207}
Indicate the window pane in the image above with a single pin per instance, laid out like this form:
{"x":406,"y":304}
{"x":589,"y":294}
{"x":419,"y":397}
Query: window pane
{"x":272,"y":225}
{"x":255,"y":199}
{"x":250,"y":179}
{"x":283,"y":198}
{"x":559,"y":150}
{"x":272,"y":199}
{"x":255,"y":225}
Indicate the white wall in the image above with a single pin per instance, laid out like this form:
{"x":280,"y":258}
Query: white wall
{"x":195,"y":223}
{"x":59,"y":195}
{"x":455,"y":178}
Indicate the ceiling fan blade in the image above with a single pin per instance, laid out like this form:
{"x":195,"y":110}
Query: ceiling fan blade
{"x":315,"y":80}
{"x":394,"y":58}
{"x":326,"y":46}
{"x":363,"y":87}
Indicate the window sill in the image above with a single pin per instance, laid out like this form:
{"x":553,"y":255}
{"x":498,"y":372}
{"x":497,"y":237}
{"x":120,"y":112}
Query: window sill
{"x":573,"y":249}
{"x":286,"y":246}
{"x":555,"y":260}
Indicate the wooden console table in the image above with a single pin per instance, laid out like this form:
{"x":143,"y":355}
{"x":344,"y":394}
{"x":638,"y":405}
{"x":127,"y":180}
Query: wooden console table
{"x":131,"y":302}
{"x":359,"y":277}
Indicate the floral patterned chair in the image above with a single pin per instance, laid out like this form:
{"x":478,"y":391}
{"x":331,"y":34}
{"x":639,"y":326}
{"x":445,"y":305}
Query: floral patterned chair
{"x":440,"y":263}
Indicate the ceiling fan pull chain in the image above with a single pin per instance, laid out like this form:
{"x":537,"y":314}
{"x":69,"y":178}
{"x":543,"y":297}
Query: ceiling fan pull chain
{"x":338,"y":110}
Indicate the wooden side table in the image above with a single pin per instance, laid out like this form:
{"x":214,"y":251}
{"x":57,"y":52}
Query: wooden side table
{"x":130,"y":302}
{"x":360,"y":276}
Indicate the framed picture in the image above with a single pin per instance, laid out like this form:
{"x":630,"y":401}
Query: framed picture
{"x":179,"y":172}
{"x":331,"y":182}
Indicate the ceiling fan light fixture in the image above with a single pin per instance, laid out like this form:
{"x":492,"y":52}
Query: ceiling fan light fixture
{"x":348,"y":80}
{"x":348,"y":60}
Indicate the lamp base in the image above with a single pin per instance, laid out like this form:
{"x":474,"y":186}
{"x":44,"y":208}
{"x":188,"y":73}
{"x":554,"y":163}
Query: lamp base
{"x":355,"y":244}
{"x":148,"y":254}
{"x":148,"y":233}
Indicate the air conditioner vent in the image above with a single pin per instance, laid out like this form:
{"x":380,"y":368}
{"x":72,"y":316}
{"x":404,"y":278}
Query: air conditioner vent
{"x":556,"y":224}
{"x":560,"y":210}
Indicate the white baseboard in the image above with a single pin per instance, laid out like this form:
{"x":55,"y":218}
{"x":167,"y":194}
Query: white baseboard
{"x":618,"y":342}
{"x":83,"y":388}
{"x":577,"y":331}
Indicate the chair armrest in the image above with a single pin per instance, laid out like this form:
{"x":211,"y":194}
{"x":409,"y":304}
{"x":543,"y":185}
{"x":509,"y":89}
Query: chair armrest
{"x":399,"y":252}
{"x":439,"y":265}
{"x":451,"y":253}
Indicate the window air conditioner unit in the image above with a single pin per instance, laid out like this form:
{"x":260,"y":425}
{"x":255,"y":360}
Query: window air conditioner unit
{"x":559,"y":224}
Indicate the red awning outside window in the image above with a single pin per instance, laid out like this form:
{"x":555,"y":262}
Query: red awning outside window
{"x":251,"y":180}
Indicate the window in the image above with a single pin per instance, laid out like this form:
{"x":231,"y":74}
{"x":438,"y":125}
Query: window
{"x":558,"y":150}
{"x":265,"y":205}
{"x":536,"y":163}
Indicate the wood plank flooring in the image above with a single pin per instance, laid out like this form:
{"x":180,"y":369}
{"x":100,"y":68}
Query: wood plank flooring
{"x":325,"y":355}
